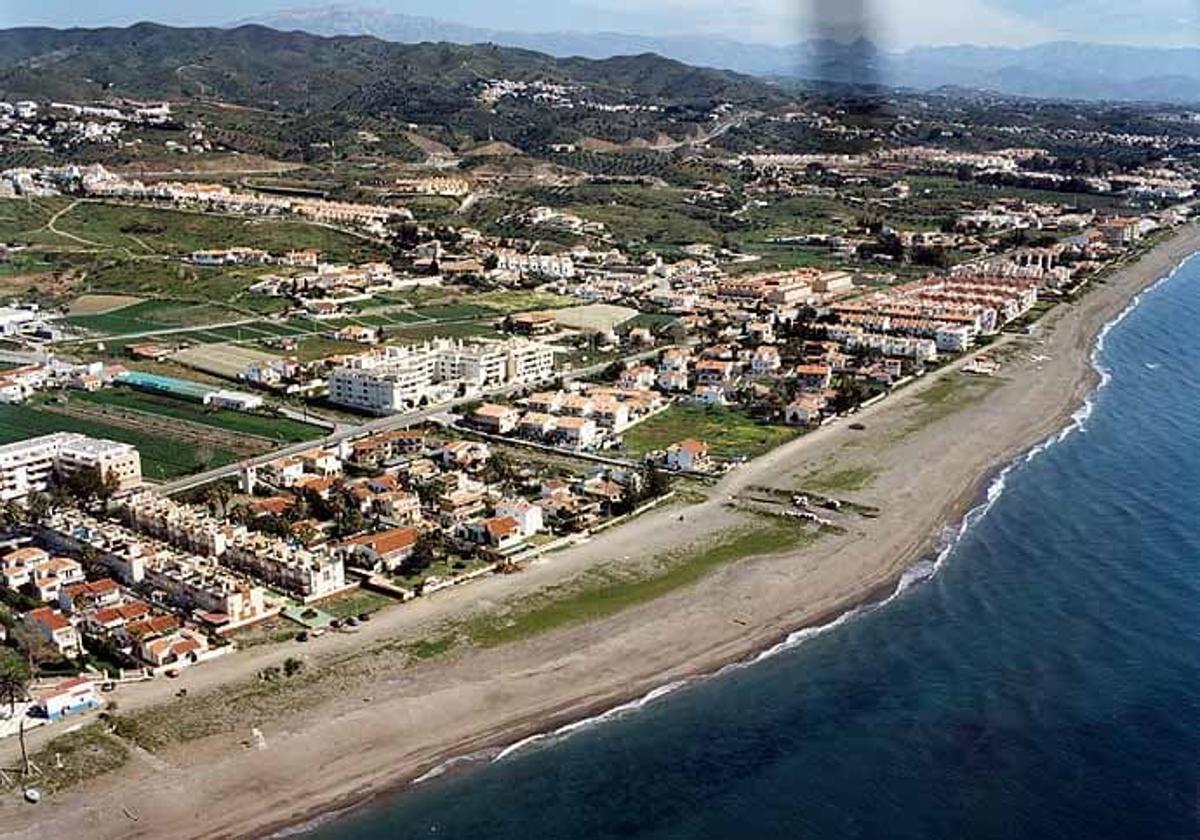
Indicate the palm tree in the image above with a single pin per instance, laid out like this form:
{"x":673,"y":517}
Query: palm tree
{"x":14,"y":679}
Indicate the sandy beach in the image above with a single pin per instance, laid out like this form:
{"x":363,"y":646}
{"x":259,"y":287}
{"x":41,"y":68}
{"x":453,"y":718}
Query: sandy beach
{"x":923,"y":463}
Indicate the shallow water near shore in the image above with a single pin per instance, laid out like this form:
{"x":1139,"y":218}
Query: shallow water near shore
{"x":1045,"y":683}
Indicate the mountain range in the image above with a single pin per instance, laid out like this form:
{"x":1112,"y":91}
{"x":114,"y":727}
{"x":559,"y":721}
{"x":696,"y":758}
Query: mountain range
{"x":1061,"y":70}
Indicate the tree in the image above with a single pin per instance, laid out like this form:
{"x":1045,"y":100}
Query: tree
{"x":499,"y":468}
{"x":423,"y":555}
{"x":39,"y":508}
{"x":15,"y":676}
{"x":656,"y":483}
{"x":36,"y":647}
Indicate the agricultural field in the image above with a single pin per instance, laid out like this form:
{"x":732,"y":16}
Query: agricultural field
{"x":141,"y":231}
{"x":152,"y":315}
{"x":455,"y":312}
{"x":508,"y":301}
{"x":224,"y":360}
{"x":728,"y":432}
{"x":278,"y":429}
{"x":163,"y":457}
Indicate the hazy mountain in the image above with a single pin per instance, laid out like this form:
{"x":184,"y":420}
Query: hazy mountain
{"x":756,"y":59}
{"x":1057,"y":70}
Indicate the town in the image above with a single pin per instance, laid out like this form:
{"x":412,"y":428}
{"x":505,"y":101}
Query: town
{"x":258,"y":410}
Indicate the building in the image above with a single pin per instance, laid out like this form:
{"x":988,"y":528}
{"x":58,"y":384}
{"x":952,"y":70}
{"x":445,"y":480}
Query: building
{"x":69,"y":697}
{"x":304,"y":574}
{"x":28,"y":466}
{"x":533,"y":323}
{"x":384,"y":550}
{"x":52,"y":626}
{"x":497,"y":419}
{"x":688,"y":455}
{"x":392,"y":379}
{"x":527,"y":515}
{"x":805,"y":410}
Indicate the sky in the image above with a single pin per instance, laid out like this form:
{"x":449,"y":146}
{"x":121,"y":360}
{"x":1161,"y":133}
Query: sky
{"x":894,"y":23}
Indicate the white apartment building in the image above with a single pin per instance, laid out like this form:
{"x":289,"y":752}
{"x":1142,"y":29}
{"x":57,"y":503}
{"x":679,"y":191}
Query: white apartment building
{"x":559,"y":266}
{"x":304,"y":574}
{"x":393,"y":379}
{"x":27,"y":466}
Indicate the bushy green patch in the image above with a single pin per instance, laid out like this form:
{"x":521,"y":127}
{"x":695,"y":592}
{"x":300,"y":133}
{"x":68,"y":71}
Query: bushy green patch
{"x":76,"y":757}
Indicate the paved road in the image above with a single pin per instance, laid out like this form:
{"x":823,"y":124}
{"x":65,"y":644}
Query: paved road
{"x":381,"y":424}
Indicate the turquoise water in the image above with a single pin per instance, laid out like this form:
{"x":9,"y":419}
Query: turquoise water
{"x":1045,"y":683}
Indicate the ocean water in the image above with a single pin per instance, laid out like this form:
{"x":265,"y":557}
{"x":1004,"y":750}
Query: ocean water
{"x":1045,"y":683}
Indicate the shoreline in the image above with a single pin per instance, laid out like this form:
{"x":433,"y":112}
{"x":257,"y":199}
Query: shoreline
{"x":979,"y":499}
{"x":257,"y":806}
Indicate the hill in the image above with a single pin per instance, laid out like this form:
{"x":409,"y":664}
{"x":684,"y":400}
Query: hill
{"x":1066,"y":70}
{"x":296,"y":71}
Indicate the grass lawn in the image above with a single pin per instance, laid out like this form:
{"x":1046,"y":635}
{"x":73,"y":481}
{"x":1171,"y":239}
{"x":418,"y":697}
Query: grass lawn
{"x":356,"y":602}
{"x":279,"y":429}
{"x":162,"y":458}
{"x":728,"y":432}
{"x":314,"y":347}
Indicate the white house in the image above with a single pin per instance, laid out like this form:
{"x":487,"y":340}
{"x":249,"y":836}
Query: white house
{"x":69,"y":697}
{"x":528,"y":515}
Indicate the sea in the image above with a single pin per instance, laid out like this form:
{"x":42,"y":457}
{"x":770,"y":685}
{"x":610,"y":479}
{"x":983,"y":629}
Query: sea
{"x":1038,"y":678}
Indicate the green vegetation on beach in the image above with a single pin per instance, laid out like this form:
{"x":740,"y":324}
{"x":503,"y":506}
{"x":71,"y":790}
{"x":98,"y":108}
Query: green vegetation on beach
{"x":604,"y":592}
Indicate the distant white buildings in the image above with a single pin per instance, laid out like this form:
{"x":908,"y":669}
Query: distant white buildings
{"x":558,"y":266}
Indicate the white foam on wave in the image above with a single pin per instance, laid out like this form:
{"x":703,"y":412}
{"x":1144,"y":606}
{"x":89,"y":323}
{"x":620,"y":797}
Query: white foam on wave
{"x":919,"y":572}
{"x":587,"y":723}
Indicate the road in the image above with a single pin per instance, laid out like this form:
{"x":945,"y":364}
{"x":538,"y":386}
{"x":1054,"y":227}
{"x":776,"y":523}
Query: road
{"x":381,"y":424}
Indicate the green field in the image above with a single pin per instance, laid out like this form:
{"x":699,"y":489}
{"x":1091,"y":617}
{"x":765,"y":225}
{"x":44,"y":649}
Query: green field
{"x":153,"y":230}
{"x":151,"y":315}
{"x":455,"y":312}
{"x":728,"y":432}
{"x":279,"y":429}
{"x":22,"y":220}
{"x":507,"y":301}
{"x":162,"y":458}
